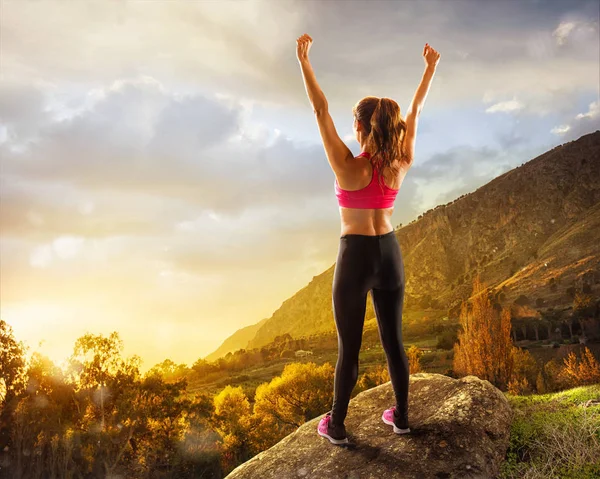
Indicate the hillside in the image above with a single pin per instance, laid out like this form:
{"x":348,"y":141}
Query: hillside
{"x":535,"y":222}
{"x":237,"y":340}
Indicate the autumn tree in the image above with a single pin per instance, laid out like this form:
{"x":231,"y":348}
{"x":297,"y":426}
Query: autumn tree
{"x":553,"y":380}
{"x":586,"y":371}
{"x":106,"y":386}
{"x":374,"y":377}
{"x":232,"y":420}
{"x":414,"y":354}
{"x":503,"y":348}
{"x":484,"y":346}
{"x":582,"y":304}
{"x":170,"y":371}
{"x":42,"y":430}
{"x":583,"y":310}
{"x":12,"y":379}
{"x":524,"y":373}
{"x":165,"y":408}
{"x":95,"y":360}
{"x":302,"y":392}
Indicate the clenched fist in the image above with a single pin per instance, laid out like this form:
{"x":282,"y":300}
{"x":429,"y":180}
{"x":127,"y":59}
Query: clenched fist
{"x":303,"y":44}
{"x":431,"y":56}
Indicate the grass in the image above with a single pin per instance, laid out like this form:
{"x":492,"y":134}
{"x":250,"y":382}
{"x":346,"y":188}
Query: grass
{"x":553,"y":436}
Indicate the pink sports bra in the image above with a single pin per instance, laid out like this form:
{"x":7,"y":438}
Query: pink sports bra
{"x":371,"y":196}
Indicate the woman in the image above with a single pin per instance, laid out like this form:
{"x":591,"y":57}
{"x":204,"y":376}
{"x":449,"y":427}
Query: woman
{"x":369,"y":256}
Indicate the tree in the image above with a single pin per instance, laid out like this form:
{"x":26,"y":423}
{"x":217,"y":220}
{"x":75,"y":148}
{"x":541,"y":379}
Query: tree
{"x":95,"y":359}
{"x":503,"y":350}
{"x":582,"y":305}
{"x":106,"y":387}
{"x":165,"y":410}
{"x":12,"y":379}
{"x":447,"y":338}
{"x":525,"y":371}
{"x":414,"y":354}
{"x":302,"y":392}
{"x":12,"y":364}
{"x":484,"y":343}
{"x":41,"y":430}
{"x":587,"y":371}
{"x":169,"y":370}
{"x":374,"y":377}
{"x":231,"y":420}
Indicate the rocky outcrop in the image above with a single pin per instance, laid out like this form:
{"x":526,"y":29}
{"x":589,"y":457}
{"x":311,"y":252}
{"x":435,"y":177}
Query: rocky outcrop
{"x":459,"y":429}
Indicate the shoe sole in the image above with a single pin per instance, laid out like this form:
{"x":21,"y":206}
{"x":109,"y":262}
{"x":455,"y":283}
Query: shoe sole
{"x":332,"y":440}
{"x":397,"y":430}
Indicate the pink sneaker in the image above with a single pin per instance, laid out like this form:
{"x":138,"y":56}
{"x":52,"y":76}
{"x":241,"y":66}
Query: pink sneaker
{"x":335,"y":434}
{"x":400,"y":424}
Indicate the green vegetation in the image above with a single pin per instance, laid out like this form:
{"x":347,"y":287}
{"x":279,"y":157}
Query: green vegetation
{"x":553,"y":435}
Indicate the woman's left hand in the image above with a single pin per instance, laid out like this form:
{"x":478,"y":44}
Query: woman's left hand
{"x":303,"y":44}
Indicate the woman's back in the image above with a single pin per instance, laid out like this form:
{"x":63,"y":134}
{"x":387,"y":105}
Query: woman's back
{"x":373,"y":202}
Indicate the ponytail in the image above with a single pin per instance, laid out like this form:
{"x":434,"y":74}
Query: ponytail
{"x":386,"y":136}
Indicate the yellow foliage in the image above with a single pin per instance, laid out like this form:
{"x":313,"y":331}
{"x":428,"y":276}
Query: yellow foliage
{"x":231,"y":400}
{"x":554,"y":381}
{"x":484,"y":343}
{"x":524,"y":365}
{"x":302,"y":392}
{"x":414,"y":354}
{"x":581,"y":300}
{"x":374,"y":377}
{"x":519,"y":387}
{"x":233,"y":421}
{"x":587,"y":371}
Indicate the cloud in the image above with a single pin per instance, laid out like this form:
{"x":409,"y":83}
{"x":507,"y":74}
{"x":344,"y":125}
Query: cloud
{"x":505,"y":106}
{"x":249,"y":47}
{"x":562,"y":32}
{"x":137,"y":139}
{"x":593,"y":112}
{"x":575,"y":31}
{"x":580,"y":124}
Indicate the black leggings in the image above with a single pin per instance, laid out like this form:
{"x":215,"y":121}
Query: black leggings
{"x":368,"y":263}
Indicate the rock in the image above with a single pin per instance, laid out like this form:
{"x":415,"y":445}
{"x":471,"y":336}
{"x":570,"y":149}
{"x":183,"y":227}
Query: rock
{"x":459,"y":429}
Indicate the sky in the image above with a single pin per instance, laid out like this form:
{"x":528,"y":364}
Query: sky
{"x":162,"y":173}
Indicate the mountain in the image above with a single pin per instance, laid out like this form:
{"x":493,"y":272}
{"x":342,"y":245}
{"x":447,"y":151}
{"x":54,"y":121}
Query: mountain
{"x":237,"y":340}
{"x":535,"y":222}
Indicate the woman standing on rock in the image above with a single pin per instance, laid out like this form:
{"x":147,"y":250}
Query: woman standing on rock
{"x":369,"y":256}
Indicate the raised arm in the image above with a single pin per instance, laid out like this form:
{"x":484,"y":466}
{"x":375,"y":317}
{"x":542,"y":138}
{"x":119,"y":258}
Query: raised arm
{"x":431,"y":58}
{"x":338,"y":153}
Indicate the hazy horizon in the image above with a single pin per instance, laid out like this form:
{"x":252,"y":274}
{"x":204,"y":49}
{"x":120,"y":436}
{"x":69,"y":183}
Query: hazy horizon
{"x":163,"y":174}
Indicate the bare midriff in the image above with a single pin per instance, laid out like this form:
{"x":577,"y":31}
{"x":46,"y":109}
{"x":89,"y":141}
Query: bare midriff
{"x":369,"y":221}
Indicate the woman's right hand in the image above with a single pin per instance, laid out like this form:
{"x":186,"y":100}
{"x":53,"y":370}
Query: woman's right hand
{"x":431,"y":56}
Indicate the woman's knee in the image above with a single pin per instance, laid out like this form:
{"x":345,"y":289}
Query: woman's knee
{"x":393,"y":348}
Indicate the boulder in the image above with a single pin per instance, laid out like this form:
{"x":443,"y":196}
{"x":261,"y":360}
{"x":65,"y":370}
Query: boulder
{"x":459,"y":429}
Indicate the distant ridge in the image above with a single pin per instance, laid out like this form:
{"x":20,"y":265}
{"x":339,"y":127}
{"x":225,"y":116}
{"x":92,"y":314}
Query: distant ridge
{"x":237,"y":340}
